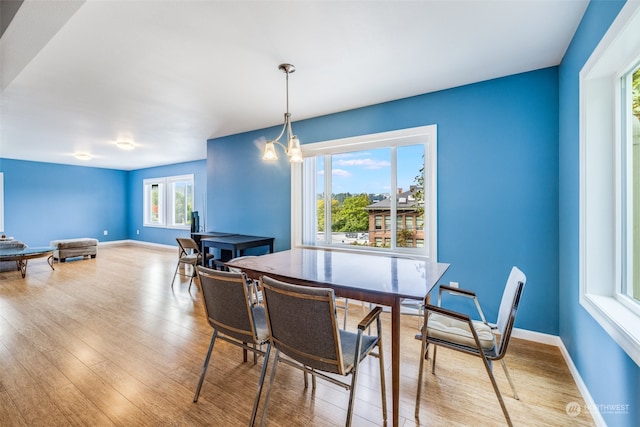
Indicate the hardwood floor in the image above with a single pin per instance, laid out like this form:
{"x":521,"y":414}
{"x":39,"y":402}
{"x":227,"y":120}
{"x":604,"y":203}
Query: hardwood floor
{"x":106,"y":341}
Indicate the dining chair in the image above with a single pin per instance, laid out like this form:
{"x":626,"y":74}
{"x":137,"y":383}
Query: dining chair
{"x":189,"y":255}
{"x":304,"y":331}
{"x":253,"y":285}
{"x":234,"y":319}
{"x":457,"y":331}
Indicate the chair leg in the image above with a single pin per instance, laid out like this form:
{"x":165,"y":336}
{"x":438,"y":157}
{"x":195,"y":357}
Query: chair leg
{"x":269,"y":388}
{"x":487,"y":366}
{"x":194,"y":273}
{"x":506,"y":371}
{"x":263,"y":371}
{"x":175,"y":273}
{"x":205,"y":365}
{"x":433,"y":362}
{"x":346,"y":311}
{"x":383,"y":383}
{"x":423,"y":350}
{"x":352,"y":392}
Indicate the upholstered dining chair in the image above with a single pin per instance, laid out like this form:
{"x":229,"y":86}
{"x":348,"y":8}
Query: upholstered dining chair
{"x":234,"y":319}
{"x":253,"y":285}
{"x":304,"y":330}
{"x":457,"y":331}
{"x":189,"y":255}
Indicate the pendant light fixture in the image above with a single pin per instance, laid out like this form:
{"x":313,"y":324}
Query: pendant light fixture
{"x":293,"y":143}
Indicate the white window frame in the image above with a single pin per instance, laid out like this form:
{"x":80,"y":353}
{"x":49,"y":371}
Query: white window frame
{"x":166,"y":217}
{"x":426,"y":135}
{"x":601,"y":202}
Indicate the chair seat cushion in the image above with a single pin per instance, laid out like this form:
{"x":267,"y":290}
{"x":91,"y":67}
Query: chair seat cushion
{"x":456,"y":331}
{"x":348,"y":341}
{"x":193,"y":259}
{"x":74,"y":243}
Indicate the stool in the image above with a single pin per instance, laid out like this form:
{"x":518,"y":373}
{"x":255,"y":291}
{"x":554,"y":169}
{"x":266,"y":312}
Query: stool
{"x":70,"y":248}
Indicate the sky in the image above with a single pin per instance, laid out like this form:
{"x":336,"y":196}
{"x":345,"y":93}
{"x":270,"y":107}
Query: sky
{"x":369,"y":171}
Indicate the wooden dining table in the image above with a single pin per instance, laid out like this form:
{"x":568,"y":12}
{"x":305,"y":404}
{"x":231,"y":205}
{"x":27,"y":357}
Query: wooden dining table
{"x":384,"y":279}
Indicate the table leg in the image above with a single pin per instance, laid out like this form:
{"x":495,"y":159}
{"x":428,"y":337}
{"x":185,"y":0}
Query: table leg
{"x":395,"y":360}
{"x":23,"y":267}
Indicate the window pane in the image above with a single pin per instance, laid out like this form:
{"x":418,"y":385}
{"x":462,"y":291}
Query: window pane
{"x":155,"y":203}
{"x":181,"y":201}
{"x":357,"y":180}
{"x":634,"y":118}
{"x":410,"y":201}
{"x":350,"y":198}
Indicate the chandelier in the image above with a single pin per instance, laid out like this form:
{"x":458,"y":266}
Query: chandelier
{"x":293,"y":145}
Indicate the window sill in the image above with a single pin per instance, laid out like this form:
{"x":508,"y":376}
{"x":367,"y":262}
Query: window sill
{"x":621,"y":323}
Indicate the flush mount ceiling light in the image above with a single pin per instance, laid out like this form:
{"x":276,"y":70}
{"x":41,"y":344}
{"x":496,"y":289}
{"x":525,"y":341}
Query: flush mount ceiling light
{"x":82,"y":156}
{"x":293,"y":146}
{"x":125,"y":145}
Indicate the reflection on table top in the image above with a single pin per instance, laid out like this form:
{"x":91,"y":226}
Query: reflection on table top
{"x":373,"y":273}
{"x":236,"y":238}
{"x":14,"y":252}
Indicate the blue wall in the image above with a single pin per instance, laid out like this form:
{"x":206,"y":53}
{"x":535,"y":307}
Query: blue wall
{"x":165,"y":236}
{"x":610,"y":375}
{"x":497,"y":182}
{"x":46,"y":201}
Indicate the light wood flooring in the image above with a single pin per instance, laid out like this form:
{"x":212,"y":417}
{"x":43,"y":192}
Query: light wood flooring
{"x":106,"y":341}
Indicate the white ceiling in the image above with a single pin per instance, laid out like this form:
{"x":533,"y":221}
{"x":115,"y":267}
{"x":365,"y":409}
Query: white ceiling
{"x":77,"y":76}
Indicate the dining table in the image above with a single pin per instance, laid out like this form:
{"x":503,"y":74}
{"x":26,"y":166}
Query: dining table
{"x":380,"y":278}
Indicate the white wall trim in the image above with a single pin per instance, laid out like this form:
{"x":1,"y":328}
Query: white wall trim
{"x":137,"y":242}
{"x":556,"y":341}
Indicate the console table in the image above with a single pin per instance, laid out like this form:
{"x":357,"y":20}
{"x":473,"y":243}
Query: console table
{"x":231,"y":245}
{"x":21,"y":256}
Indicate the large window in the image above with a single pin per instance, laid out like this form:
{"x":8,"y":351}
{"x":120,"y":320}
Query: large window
{"x":610,"y":182}
{"x":168,"y":201}
{"x":368,"y":193}
{"x":630,"y":151}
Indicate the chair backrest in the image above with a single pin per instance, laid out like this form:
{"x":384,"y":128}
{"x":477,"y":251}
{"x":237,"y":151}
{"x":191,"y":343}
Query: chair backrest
{"x":509,"y":306}
{"x":227,"y":304}
{"x":187,"y":244}
{"x":302,"y":324}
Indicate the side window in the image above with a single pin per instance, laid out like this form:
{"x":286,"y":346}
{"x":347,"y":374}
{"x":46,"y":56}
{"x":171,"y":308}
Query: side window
{"x":168,"y":201}
{"x":609,"y":182}
{"x":154,"y":192}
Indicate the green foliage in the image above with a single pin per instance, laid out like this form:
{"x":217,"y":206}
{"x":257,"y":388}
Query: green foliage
{"x":335,"y":208}
{"x":352,"y":217}
{"x":402,"y":236}
{"x":419,"y":194}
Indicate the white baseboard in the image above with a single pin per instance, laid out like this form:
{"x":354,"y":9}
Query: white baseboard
{"x":582,"y":388}
{"x":138,"y":242}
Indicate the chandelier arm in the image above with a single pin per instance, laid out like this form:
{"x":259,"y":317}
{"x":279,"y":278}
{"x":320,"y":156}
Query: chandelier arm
{"x":284,"y":128}
{"x":280,"y":144}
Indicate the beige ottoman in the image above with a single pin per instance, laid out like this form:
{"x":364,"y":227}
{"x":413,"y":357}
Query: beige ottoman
{"x":70,"y":248}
